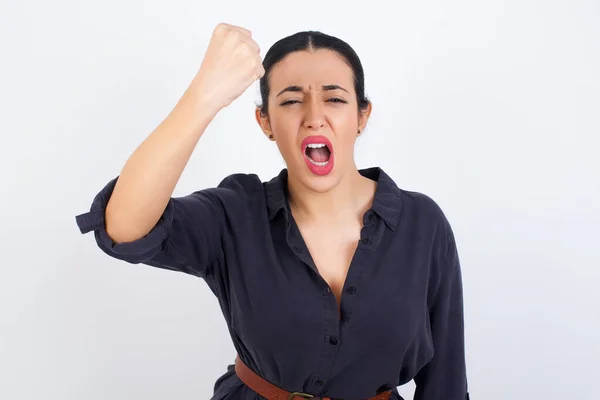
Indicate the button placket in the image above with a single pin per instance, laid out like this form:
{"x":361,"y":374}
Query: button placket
{"x":331,"y":336}
{"x":333,"y":326}
{"x":362,"y":260}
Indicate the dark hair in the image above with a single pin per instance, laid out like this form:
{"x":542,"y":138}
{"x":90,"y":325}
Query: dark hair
{"x":312,"y":40}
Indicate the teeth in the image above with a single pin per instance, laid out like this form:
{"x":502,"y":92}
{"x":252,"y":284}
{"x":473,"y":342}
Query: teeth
{"x":316,"y":145}
{"x":320,"y":164}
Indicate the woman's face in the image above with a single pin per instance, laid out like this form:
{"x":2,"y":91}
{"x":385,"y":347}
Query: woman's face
{"x":313,"y":117}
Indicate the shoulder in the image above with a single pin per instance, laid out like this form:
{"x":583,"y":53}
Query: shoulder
{"x":231,"y":202}
{"x":433,"y":218}
{"x":424,"y":205}
{"x":234,"y":193}
{"x":244,"y":185}
{"x":427,"y":215}
{"x":417,"y":211}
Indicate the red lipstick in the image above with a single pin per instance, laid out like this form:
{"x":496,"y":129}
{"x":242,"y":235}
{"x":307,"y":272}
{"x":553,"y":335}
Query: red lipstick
{"x":318,"y":154}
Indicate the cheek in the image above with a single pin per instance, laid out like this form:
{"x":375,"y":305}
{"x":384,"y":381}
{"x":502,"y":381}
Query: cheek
{"x":287,"y":146}
{"x":285,"y":129}
{"x":284,"y":120}
{"x":344,"y":124}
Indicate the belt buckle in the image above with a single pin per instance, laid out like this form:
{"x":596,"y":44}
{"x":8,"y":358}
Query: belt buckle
{"x":301,"y":395}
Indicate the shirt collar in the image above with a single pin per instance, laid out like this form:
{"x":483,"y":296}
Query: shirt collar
{"x":386,"y":202}
{"x":276,"y":190}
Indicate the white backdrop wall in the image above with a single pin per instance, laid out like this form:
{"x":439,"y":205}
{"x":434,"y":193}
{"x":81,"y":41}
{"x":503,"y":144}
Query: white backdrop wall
{"x":491,"y":108}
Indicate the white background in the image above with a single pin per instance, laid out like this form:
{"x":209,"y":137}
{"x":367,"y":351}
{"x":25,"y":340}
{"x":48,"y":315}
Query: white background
{"x":489,"y":107}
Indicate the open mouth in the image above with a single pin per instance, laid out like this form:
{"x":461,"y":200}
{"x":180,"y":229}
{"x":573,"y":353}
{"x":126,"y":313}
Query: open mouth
{"x":318,"y":154}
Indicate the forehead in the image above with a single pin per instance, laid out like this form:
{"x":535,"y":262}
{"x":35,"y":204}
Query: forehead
{"x":304,"y":68}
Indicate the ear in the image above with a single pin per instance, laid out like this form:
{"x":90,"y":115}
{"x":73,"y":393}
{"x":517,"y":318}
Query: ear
{"x":263,"y":122}
{"x":363,"y":117}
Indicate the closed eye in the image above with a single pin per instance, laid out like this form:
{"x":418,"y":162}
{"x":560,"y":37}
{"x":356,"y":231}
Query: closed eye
{"x":332,"y":100}
{"x":289,"y":102}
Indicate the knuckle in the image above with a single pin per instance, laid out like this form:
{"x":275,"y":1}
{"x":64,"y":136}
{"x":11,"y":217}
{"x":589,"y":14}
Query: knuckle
{"x":230,"y":32}
{"x":222,"y":27}
{"x":242,"y":48}
{"x":235,"y":35}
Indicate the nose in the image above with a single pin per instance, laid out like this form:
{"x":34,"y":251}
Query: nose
{"x":315,"y":114}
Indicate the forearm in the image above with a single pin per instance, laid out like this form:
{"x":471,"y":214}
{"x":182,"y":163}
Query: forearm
{"x":149,"y":177}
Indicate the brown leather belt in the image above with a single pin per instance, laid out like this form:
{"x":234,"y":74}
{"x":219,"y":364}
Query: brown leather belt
{"x":272,"y":392}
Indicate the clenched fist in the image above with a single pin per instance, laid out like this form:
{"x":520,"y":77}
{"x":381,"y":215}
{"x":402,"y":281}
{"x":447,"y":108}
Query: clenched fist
{"x":231,"y":64}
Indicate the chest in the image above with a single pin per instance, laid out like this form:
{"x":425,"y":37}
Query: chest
{"x":277,"y":296}
{"x":332,"y":250}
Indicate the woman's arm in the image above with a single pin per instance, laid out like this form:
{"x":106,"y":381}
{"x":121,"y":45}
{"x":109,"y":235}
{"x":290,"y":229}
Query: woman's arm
{"x":135,"y":218}
{"x":445,"y":376}
{"x":147,"y":181}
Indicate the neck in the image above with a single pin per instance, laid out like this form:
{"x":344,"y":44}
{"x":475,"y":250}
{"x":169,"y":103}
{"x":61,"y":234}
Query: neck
{"x":350,"y":198}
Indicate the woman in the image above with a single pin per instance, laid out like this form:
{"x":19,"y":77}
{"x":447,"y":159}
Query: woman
{"x":333,"y":281}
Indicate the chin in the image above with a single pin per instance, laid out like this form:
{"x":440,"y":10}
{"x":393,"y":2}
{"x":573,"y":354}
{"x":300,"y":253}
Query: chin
{"x":320,"y":183}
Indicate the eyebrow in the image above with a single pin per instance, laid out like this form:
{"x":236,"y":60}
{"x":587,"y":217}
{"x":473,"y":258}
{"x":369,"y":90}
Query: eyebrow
{"x":295,"y":88}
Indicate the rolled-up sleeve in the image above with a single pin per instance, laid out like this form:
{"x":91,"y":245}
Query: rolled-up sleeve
{"x":445,"y":376}
{"x":187,"y":238}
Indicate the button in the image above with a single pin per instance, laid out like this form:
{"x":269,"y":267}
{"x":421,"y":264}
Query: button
{"x":365,"y":241}
{"x":351,"y":290}
{"x":333,"y":340}
{"x":369,"y":216}
{"x":297,"y":249}
{"x":319,"y":382}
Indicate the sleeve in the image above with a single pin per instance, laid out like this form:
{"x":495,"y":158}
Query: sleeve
{"x":188,"y":236}
{"x":445,"y":377}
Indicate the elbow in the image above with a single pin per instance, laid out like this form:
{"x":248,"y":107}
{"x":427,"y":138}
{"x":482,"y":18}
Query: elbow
{"x":120,"y":225}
